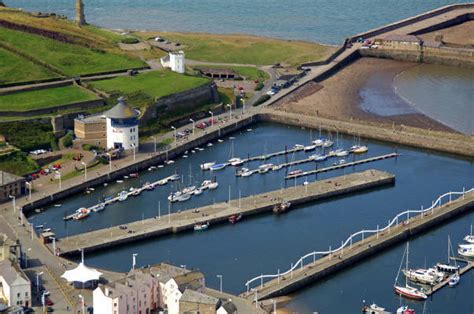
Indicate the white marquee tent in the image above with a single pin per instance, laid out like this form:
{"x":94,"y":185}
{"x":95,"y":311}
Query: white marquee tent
{"x":82,"y":274}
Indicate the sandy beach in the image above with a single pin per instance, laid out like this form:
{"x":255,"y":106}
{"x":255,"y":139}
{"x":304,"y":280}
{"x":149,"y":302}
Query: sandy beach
{"x":339,"y":97}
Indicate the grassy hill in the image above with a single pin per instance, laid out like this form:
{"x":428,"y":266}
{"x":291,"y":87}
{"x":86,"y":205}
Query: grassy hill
{"x":44,"y":98}
{"x":244,"y":49}
{"x":149,"y":86}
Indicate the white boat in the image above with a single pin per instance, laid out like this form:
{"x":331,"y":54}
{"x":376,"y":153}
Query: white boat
{"x":339,"y":162}
{"x":319,"y":142}
{"x":160,"y":166}
{"x":213,"y":185}
{"x":123,"y":196}
{"x":265,"y":166}
{"x":448,"y":268}
{"x":162,"y":182}
{"x":263,"y":170}
{"x":298,"y":147}
{"x":373,"y":309}
{"x":217,"y":167}
{"x":188,"y":189}
{"x":201,"y":227}
{"x":193,"y":151}
{"x":295,"y":172}
{"x":408,"y":291}
{"x":58,"y":205}
{"x":236,"y":162}
{"x":174,"y":177}
{"x":466,"y":251}
{"x":277,"y":167}
{"x":207,"y":165}
{"x":466,"y":246}
{"x":100,"y":207}
{"x":185,"y":156}
{"x":309,"y":148}
{"x":205,"y":184}
{"x":341,"y":153}
{"x":209,"y":144}
{"x":184,"y":197}
{"x":327,"y":143}
{"x":151,"y":168}
{"x":469,"y":239}
{"x":173,"y":197}
{"x":241,"y":171}
{"x":220,"y":140}
{"x":197,"y":191}
{"x":405,"y":310}
{"x":359,"y":149}
{"x":454,"y":280}
{"x":318,"y":157}
{"x":119,"y":181}
{"x":169,"y":162}
{"x":200,"y":149}
{"x":246,"y":173}
{"x":428,"y":276}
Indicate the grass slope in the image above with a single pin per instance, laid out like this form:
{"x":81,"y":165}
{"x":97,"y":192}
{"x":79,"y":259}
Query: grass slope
{"x":18,"y":163}
{"x":151,"y":84}
{"x":245,"y":49}
{"x":14,"y":68}
{"x":44,"y":98}
{"x":70,"y":59}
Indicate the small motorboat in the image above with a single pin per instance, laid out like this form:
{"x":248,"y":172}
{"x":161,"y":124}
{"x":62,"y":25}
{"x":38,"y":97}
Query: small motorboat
{"x":184,"y":197}
{"x":318,"y":157}
{"x":428,"y":276}
{"x":151,"y":168}
{"x":173,"y":197}
{"x":241,"y":171}
{"x":309,"y":148}
{"x":263,"y":170}
{"x":454,"y":280}
{"x":119,"y":181}
{"x":185,"y":156}
{"x":47,"y":230}
{"x":175,"y":177}
{"x":209,"y":144}
{"x":161,"y":166}
{"x":466,"y":251}
{"x":201,"y":227}
{"x":213,"y":185}
{"x":193,"y":151}
{"x":217,"y":167}
{"x":169,"y":162}
{"x":100,"y":207}
{"x":373,"y":309}
{"x":246,"y":173}
{"x":339,"y":162}
{"x":220,"y":140}
{"x":236,"y":162}
{"x":200,"y":149}
{"x":410,"y":292}
{"x":81,"y":213}
{"x":358,"y":149}
{"x":298,"y":147}
{"x":276,"y":167}
{"x":207,"y":165}
{"x":295,"y":172}
{"x":39,"y":227}
{"x":162,"y":182}
{"x":235,"y":218}
{"x":189,"y":189}
{"x":197,"y":191}
{"x":281,"y":207}
{"x":341,"y":153}
{"x":469,"y":239}
{"x":122,"y":196}
{"x":445,"y":268}
{"x":134,"y":175}
{"x":318,"y":142}
{"x":405,"y":310}
{"x":327,"y":143}
{"x":148,"y":186}
{"x":135,"y":192}
{"x":58,"y":205}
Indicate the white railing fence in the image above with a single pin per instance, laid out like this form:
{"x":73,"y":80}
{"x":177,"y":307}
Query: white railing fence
{"x":403,"y":217}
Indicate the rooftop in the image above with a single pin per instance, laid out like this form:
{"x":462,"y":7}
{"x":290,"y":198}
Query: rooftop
{"x":198,"y":297}
{"x":121,"y":111}
{"x":11,"y":272}
{"x":7,"y":178}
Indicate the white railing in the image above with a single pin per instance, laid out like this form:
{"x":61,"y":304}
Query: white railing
{"x":362,"y":233}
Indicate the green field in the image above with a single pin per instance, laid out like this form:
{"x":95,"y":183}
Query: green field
{"x":70,"y":59}
{"x":151,"y":84}
{"x":14,"y":68}
{"x":245,"y":49}
{"x":249,"y":73}
{"x":44,"y":98}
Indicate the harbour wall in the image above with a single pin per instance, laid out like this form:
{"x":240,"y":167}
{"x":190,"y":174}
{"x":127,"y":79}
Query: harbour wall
{"x":372,"y":246}
{"x":421,"y":138}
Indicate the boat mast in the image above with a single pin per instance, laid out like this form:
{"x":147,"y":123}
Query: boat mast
{"x":406,"y":265}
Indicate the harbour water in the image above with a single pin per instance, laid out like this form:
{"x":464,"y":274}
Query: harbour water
{"x":443,"y":93}
{"x":314,"y":20}
{"x":265,"y":243}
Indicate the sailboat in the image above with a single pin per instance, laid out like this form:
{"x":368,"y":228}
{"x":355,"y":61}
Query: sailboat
{"x":448,"y":268}
{"x":408,"y":291}
{"x":469,"y":238}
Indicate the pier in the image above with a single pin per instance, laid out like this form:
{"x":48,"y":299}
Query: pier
{"x":317,"y":265}
{"x":344,"y":165}
{"x":219,"y":213}
{"x":443,"y":283}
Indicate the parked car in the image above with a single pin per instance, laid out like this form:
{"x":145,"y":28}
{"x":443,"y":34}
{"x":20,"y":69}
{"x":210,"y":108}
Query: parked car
{"x":201,"y":125}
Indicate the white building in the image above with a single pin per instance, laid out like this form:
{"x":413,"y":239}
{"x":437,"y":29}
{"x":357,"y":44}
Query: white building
{"x":175,"y":60}
{"x":122,"y":126}
{"x":15,"y":287}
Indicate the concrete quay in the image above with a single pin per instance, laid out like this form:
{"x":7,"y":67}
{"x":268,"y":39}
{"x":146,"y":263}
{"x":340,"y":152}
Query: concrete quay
{"x":357,"y":251}
{"x":219,"y":213}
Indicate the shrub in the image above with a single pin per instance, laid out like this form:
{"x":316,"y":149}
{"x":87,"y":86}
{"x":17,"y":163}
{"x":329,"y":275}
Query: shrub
{"x":259,"y":86}
{"x":67,"y":140}
{"x":262,"y":99}
{"x":35,"y":135}
{"x":18,"y":163}
{"x":90,"y":147}
{"x":130,"y":40}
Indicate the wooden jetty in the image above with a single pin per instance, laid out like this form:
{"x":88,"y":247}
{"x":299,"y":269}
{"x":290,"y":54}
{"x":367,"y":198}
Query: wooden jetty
{"x":318,"y":268}
{"x":220,"y":213}
{"x":344,"y":165}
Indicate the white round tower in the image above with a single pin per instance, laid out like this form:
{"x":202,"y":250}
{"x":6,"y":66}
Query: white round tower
{"x":122,"y":126}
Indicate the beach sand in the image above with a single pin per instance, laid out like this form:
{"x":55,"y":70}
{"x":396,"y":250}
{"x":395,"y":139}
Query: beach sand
{"x":339,"y":96}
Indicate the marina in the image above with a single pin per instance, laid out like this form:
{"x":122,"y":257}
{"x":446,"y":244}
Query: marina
{"x":221,"y":212}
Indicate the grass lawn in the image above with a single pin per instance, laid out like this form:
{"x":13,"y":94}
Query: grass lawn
{"x":44,"y":98}
{"x":70,"y":59}
{"x":151,"y":84}
{"x":245,"y":49}
{"x":18,"y":163}
{"x":14,"y":68}
{"x":249,"y":73}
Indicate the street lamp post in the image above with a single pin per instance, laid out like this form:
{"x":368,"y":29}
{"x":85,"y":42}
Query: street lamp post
{"x":85,"y":170}
{"x":191,"y":120}
{"x":82,"y":303}
{"x":59,"y":174}
{"x":175,"y":135}
{"x":30,"y":187}
{"x":230,"y":111}
{"x":134,"y":260}
{"x":243,"y":105}
{"x":110,"y":162}
{"x":220,"y":282}
{"x":38,"y":281}
{"x":212,"y":118}
{"x":154,"y":141}
{"x":13,"y":197}
{"x":134,"y":147}
{"x":43,"y":301}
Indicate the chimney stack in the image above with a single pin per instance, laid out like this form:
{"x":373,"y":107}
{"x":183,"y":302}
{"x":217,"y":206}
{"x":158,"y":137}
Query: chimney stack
{"x":80,"y":17}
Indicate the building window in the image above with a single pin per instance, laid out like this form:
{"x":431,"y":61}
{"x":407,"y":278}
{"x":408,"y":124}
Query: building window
{"x":115,"y":304}
{"x":26,"y":294}
{"x":18,"y":295}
